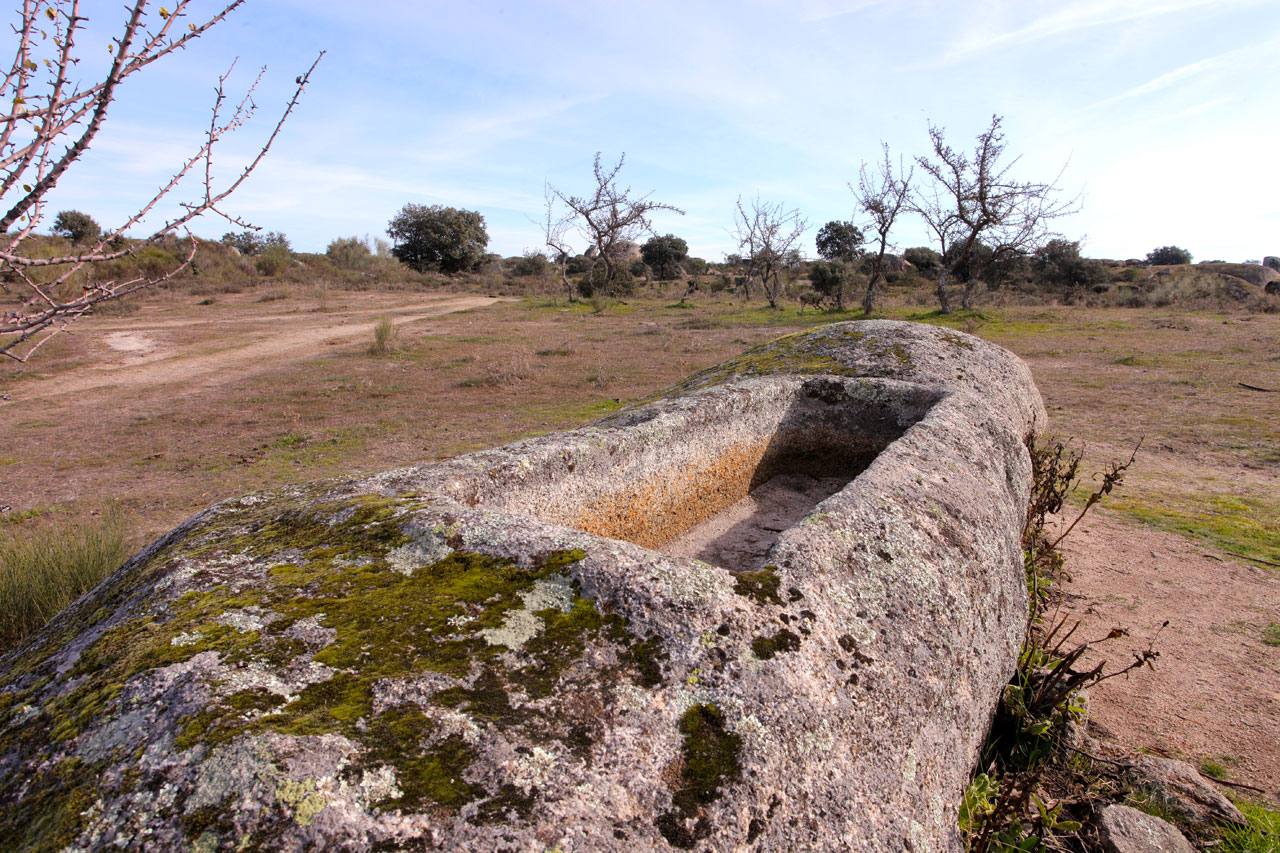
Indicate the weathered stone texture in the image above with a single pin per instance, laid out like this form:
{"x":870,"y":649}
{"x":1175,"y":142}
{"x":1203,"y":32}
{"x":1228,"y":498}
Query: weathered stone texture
{"x":1123,"y":829}
{"x":469,"y":655}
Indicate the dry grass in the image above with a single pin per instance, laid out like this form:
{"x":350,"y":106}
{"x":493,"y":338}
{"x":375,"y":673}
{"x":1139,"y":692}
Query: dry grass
{"x":1121,"y":374}
{"x":45,"y":568}
{"x":384,"y":337}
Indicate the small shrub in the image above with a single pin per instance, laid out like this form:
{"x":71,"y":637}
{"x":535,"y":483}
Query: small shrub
{"x":45,"y":569}
{"x":383,"y":337}
{"x":349,"y":253}
{"x":1168,"y":256}
{"x":76,"y":226}
{"x":273,"y":261}
{"x":530,"y":264}
{"x":1006,"y":805}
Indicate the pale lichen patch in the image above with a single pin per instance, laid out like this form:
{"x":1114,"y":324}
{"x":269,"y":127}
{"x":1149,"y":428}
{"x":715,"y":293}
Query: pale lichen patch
{"x":302,"y":798}
{"x":522,"y":625}
{"x":422,"y":551}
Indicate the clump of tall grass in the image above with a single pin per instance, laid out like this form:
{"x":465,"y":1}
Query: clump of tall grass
{"x":44,"y":569}
{"x":384,"y":335}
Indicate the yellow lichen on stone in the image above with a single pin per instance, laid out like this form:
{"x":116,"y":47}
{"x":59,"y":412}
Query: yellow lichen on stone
{"x":303,"y":798}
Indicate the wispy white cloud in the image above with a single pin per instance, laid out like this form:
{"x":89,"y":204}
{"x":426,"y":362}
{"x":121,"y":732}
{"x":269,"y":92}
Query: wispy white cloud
{"x":1247,"y":58}
{"x":1068,"y":18}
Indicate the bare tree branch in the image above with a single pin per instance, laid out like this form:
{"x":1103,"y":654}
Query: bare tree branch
{"x":554,"y":230}
{"x":33,"y":157}
{"x":609,"y":219}
{"x":767,"y":234}
{"x":974,"y":204}
{"x":881,"y":197}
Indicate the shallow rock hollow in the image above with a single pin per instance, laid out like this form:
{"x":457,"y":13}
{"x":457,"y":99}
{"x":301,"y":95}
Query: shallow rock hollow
{"x":494,"y":653}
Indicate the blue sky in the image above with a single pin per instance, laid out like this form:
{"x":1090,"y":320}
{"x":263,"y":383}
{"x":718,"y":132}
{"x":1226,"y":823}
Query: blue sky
{"x":1167,"y":112}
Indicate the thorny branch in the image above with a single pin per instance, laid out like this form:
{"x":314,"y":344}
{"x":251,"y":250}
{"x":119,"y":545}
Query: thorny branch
{"x":768,"y":235}
{"x":607,"y":219}
{"x":50,"y":112}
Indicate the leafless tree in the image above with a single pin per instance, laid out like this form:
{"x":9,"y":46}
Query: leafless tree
{"x":767,"y":234}
{"x":973,"y":202}
{"x":881,"y":197}
{"x":54,"y":119}
{"x":609,"y":218}
{"x":555,"y":228}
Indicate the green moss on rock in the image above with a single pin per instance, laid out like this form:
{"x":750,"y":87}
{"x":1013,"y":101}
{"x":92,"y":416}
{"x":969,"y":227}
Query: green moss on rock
{"x":710,"y":760}
{"x":761,"y":586}
{"x":324,"y":564}
{"x":823,"y":350}
{"x":767,"y":647}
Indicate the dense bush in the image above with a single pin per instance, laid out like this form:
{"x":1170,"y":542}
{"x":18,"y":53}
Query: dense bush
{"x":434,"y":237}
{"x":530,"y":264}
{"x":665,"y":256}
{"x":273,"y":261}
{"x":76,"y":226}
{"x":1271,"y":262}
{"x":1168,"y":255}
{"x":839,"y":241}
{"x":1058,"y":263}
{"x":349,"y":253}
{"x":830,"y":278}
{"x":923,"y":258}
{"x":154,"y":261}
{"x":251,"y":243}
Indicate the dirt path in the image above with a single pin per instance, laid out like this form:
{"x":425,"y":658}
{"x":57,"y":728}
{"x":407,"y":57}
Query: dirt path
{"x":1215,"y":691}
{"x":247,"y":345}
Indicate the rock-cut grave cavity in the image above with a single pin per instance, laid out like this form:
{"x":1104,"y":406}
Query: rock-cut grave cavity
{"x":722,"y":486}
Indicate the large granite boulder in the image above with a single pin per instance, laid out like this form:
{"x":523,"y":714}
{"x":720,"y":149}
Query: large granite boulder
{"x":497,"y":653}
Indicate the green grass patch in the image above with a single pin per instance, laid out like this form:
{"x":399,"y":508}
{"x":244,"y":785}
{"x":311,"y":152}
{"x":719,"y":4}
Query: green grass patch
{"x":1132,"y":361}
{"x":1262,"y":835}
{"x":1271,"y":634}
{"x":575,"y":411}
{"x":22,"y":516}
{"x":1243,"y":526}
{"x":295,"y":451}
{"x":1213,"y":768}
{"x":289,"y":440}
{"x":762,"y":315}
{"x":42,"y":570}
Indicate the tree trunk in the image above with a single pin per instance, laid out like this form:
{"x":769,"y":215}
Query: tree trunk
{"x":564,"y":280}
{"x":944,"y":303}
{"x":608,"y":274}
{"x":869,"y":298}
{"x":966,"y":295}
